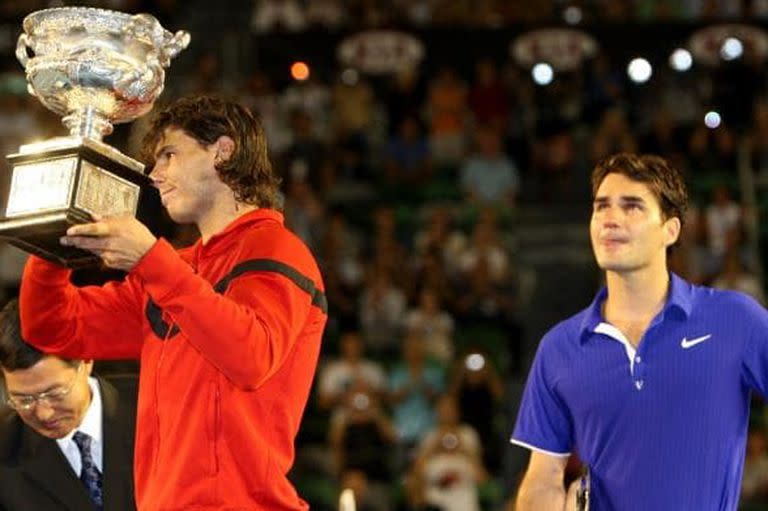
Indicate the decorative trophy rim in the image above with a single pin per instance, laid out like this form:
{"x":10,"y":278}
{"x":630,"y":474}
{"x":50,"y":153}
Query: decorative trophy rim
{"x":117,"y":20}
{"x":110,"y":13}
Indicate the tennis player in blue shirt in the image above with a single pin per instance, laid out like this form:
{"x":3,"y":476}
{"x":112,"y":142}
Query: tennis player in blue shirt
{"x":650,"y":385}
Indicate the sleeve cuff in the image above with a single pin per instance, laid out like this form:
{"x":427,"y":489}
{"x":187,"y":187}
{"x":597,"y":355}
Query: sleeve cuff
{"x":539,"y":449}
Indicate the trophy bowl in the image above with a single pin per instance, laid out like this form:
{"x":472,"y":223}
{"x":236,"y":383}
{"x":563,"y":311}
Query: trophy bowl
{"x":96,"y":68}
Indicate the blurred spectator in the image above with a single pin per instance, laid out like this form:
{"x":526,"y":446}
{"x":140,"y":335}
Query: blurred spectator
{"x":489,"y":176}
{"x":488,"y":97}
{"x":369,"y":13}
{"x":690,"y":258}
{"x":439,"y":235}
{"x":553,"y":162}
{"x":414,"y":385}
{"x":448,"y":111}
{"x":385,"y":251}
{"x":724,"y":225}
{"x":612,"y":135}
{"x":754,"y":485}
{"x":757,"y":140}
{"x":665,"y":138}
{"x":448,"y":466}
{"x":416,"y":12}
{"x":261,"y":98}
{"x":328,"y":14}
{"x":304,"y":213}
{"x":361,"y":437}
{"x":382,"y":306}
{"x":353,"y":108}
{"x":453,"y":12}
{"x":433,"y":325}
{"x":478,"y":390}
{"x":343,"y":272}
{"x":305,"y":158}
{"x":404,"y":96}
{"x":482,"y":299}
{"x":712,"y":151}
{"x":738,"y":278}
{"x":485,"y":247}
{"x":408,"y":159}
{"x":604,"y":87}
{"x":351,"y":372}
{"x":429,"y":272}
{"x":277,"y":15}
{"x":314,"y":97}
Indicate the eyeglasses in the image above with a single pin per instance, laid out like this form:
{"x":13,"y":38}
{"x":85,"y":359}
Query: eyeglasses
{"x":50,"y":398}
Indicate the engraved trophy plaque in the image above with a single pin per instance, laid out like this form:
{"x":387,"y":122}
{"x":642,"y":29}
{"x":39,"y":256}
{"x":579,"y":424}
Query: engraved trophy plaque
{"x":96,"y":68}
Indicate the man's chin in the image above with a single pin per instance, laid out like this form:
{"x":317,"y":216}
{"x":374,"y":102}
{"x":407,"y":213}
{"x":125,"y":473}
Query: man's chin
{"x":55,"y":431}
{"x":616,"y":266}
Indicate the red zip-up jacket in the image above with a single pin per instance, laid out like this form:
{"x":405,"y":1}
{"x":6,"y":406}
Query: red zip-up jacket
{"x":228,"y":334}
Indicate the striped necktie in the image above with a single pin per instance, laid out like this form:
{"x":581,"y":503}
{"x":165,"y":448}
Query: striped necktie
{"x":90,"y":474}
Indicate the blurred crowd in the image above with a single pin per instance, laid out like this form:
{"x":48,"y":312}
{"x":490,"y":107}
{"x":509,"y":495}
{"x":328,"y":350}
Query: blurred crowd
{"x":297,"y":15}
{"x":410,"y":189}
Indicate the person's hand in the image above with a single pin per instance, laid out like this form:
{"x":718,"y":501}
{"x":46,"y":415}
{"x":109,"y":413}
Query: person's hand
{"x":120,"y":241}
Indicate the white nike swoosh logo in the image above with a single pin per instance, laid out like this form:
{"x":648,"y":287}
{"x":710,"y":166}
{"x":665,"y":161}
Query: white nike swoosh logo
{"x":693,"y":342}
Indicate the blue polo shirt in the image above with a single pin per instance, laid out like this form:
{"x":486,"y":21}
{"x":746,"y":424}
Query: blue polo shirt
{"x":662,"y":428}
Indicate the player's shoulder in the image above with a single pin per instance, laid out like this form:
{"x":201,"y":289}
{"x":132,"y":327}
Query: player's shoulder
{"x":565,"y":334}
{"x":724,"y":301}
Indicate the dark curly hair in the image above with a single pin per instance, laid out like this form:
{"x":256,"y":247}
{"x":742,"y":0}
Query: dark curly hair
{"x":248,"y":171}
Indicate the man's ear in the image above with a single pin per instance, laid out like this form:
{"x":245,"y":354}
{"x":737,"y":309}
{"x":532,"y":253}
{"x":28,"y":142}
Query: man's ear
{"x":225,"y":146}
{"x":672,"y":229}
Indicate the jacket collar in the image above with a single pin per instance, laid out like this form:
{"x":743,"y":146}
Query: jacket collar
{"x":222,"y":240}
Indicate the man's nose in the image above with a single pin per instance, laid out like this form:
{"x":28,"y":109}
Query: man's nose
{"x":43,"y":411}
{"x":610,"y":216}
{"x":156,"y":173}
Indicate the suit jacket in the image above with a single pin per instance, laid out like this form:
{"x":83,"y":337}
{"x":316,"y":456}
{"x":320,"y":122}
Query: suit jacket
{"x":35,"y":475}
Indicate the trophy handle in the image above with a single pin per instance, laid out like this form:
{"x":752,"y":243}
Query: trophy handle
{"x":175,"y":44}
{"x":22,"y":45}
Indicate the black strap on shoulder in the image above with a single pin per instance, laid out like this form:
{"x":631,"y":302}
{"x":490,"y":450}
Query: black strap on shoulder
{"x":160,"y":327}
{"x":253,"y":265}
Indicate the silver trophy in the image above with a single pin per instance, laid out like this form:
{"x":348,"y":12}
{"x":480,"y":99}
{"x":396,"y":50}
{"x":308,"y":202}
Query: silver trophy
{"x":96,"y":68}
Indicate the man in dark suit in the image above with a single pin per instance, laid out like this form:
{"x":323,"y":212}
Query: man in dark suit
{"x":66,"y":439}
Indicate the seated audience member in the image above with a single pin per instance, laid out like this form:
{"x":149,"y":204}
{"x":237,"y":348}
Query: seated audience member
{"x":414,"y":385}
{"x":448,"y":467}
{"x":338,"y":377}
{"x":361,"y":436}
{"x":478,"y":389}
{"x":434,"y":324}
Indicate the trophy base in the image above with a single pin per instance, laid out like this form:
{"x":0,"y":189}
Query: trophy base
{"x":40,"y":235}
{"x":63,"y":182}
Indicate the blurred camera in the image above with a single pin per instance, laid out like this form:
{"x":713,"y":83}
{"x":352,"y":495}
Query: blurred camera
{"x":449,"y":441}
{"x":474,"y":361}
{"x":361,"y":401}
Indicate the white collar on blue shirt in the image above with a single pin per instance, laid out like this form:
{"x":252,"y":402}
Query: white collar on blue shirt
{"x":91,"y":426}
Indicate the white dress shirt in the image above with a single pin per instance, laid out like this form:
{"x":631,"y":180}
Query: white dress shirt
{"x":91,"y":426}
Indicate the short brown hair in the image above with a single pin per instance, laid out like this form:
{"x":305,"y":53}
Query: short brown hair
{"x":248,"y":171}
{"x":665,"y":182}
